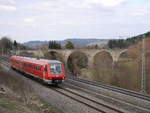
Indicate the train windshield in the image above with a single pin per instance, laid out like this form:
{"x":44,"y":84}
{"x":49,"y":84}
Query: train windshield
{"x":56,"y":68}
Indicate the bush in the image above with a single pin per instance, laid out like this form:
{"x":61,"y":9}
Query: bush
{"x":69,"y":45}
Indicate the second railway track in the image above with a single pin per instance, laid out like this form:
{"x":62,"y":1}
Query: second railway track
{"x":96,"y":105}
{"x":112,"y":88}
{"x":88,"y":102}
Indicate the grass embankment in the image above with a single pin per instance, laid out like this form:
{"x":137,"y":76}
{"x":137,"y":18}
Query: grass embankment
{"x":12,"y":104}
{"x":126,"y":72}
{"x":18,"y":97}
{"x":129,"y":67}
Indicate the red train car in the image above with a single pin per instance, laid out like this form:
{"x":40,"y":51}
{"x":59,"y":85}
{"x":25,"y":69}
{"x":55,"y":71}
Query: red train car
{"x":50,"y":71}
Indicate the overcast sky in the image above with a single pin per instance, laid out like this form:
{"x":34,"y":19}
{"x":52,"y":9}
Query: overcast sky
{"x":25,"y":20}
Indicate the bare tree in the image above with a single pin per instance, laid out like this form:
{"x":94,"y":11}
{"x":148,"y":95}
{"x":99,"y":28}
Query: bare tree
{"x":5,"y":45}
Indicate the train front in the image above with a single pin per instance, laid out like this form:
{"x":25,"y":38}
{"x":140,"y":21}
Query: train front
{"x":57,"y":72}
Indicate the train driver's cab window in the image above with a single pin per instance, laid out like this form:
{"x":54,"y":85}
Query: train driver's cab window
{"x":55,"y":68}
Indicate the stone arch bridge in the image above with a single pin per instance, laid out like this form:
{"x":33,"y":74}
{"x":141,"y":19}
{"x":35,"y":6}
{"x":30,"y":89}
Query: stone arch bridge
{"x":89,"y":54}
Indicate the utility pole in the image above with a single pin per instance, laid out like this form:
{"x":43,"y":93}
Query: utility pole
{"x":143,"y":77}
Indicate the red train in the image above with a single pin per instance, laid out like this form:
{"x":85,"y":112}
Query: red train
{"x":50,"y":71}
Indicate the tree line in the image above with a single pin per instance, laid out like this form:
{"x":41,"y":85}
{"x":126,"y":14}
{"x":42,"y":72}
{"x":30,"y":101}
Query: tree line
{"x":7,"y":45}
{"x":57,"y":45}
{"x":124,"y":43}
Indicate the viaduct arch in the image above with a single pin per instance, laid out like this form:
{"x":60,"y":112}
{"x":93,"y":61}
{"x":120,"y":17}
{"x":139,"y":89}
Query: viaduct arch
{"x":84,"y":56}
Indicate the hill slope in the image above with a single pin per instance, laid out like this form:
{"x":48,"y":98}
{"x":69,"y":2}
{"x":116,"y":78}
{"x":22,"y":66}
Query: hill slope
{"x":124,"y":43}
{"x":77,"y":42}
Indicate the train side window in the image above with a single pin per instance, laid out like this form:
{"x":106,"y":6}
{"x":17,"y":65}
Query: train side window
{"x":35,"y":67}
{"x":39,"y":68}
{"x":32,"y":66}
{"x":45,"y":68}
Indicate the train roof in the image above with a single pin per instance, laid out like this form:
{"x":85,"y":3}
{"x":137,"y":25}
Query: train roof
{"x":49,"y":61}
{"x":35,"y":60}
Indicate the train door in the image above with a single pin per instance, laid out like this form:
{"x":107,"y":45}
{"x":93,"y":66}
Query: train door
{"x":45,"y":75}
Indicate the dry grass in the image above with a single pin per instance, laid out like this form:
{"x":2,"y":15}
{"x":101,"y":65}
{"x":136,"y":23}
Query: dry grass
{"x":128,"y":68}
{"x":103,"y":67}
{"x":16,"y":96}
{"x":125,"y":73}
{"x":88,"y":74}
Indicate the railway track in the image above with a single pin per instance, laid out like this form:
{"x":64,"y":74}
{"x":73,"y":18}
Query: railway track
{"x":109,"y":99}
{"x":91,"y":103}
{"x":112,"y":88}
{"x":72,"y":95}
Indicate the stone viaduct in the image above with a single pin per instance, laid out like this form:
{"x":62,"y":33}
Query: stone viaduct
{"x":88,"y":53}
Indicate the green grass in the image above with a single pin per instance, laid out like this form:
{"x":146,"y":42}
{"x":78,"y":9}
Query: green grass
{"x":7,"y":104}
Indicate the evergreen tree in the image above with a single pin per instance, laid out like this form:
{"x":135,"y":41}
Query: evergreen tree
{"x":54,"y":45}
{"x":69,"y":45}
{"x":117,"y":44}
{"x":15,"y":44}
{"x":121,"y":43}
